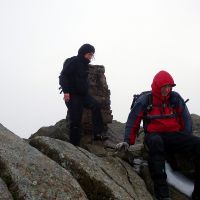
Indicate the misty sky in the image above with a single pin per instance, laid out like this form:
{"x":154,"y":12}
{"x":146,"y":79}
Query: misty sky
{"x":133,"y":40}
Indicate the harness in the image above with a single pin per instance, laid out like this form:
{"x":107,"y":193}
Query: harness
{"x":149,"y":106}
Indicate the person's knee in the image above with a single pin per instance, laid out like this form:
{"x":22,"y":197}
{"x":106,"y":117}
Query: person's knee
{"x":153,"y":139}
{"x":196,"y":147}
{"x":154,"y":143}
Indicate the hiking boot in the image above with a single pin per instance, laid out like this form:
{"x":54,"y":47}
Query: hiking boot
{"x":100,"y":137}
{"x":161,"y":190}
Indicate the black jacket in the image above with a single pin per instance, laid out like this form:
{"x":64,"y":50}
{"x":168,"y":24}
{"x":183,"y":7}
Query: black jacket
{"x":73,"y":78}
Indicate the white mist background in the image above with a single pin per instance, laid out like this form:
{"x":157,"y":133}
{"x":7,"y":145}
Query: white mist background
{"x":133,"y":40}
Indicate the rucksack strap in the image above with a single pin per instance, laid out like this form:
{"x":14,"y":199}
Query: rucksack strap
{"x":186,"y":100}
{"x":60,"y":88}
{"x":150,"y":117}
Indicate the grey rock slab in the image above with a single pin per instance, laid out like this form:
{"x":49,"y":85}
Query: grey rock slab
{"x":51,"y":131}
{"x":4,"y":192}
{"x":101,"y":178}
{"x":30,"y":175}
{"x":122,"y":174}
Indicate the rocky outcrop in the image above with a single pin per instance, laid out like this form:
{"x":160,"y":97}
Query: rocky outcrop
{"x":29,"y":175}
{"x":68,"y":172}
{"x":95,"y":174}
{"x":60,"y":131}
{"x":196,"y":124}
{"x":53,"y":132}
{"x":4,"y":192}
{"x":99,"y":90}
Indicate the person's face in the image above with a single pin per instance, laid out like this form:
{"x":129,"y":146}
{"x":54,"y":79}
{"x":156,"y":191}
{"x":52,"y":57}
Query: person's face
{"x":89,"y":56}
{"x":165,"y":90}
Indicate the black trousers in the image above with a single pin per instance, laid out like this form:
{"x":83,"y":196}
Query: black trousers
{"x":75,"y":109}
{"x":159,"y":145}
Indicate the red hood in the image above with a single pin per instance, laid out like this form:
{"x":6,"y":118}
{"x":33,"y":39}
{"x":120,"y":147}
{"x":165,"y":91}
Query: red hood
{"x":161,"y":79}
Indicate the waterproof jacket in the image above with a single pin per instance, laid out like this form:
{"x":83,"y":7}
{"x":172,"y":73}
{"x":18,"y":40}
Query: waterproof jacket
{"x":73,"y":78}
{"x":167,"y":113}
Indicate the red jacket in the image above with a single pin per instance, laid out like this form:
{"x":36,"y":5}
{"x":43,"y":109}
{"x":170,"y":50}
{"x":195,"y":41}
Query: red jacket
{"x":161,"y":105}
{"x":163,"y":117}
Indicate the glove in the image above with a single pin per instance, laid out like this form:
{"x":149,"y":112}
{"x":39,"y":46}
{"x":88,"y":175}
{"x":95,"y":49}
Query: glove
{"x":122,"y":145}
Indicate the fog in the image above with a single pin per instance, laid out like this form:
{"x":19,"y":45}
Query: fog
{"x":133,"y":40}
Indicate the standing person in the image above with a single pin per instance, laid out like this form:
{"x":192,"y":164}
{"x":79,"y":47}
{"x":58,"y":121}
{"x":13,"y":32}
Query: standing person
{"x":74,"y":83}
{"x":168,"y":129}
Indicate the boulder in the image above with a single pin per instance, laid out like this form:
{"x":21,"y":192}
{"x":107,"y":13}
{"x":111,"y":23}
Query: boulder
{"x":60,"y":130}
{"x":30,"y":175}
{"x":98,"y":89}
{"x":4,"y":192}
{"x":196,"y":124}
{"x":53,"y":132}
{"x":95,"y":174}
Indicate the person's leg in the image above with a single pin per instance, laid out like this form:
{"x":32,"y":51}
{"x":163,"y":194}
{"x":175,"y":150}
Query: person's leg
{"x":155,"y":146}
{"x":196,"y":152}
{"x":184,"y":144}
{"x":193,"y":146}
{"x":196,"y":191}
{"x":97,"y":121}
{"x":75,"y":110}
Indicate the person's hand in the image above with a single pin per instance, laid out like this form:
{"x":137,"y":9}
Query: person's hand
{"x":66,"y":97}
{"x":122,"y":145}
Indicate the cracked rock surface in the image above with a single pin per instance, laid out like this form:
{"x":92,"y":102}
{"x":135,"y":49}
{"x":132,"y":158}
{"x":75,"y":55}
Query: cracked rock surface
{"x":101,"y":178}
{"x":30,"y":175}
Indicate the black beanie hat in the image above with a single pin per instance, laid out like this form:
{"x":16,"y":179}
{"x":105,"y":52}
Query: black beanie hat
{"x":86,"y":48}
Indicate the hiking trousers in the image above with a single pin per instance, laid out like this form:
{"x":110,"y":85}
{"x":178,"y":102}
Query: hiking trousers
{"x":75,"y":110}
{"x":159,"y":145}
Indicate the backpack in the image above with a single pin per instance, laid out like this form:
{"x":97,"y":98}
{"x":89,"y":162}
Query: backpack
{"x":149,"y":105}
{"x":136,"y":96}
{"x":67,"y":62}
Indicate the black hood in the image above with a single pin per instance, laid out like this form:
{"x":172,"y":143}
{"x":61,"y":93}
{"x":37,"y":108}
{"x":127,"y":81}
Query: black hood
{"x":86,"y":48}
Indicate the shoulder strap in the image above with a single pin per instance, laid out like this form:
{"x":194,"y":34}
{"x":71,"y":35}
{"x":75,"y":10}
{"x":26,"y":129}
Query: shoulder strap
{"x":150,"y":102}
{"x":145,"y":93}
